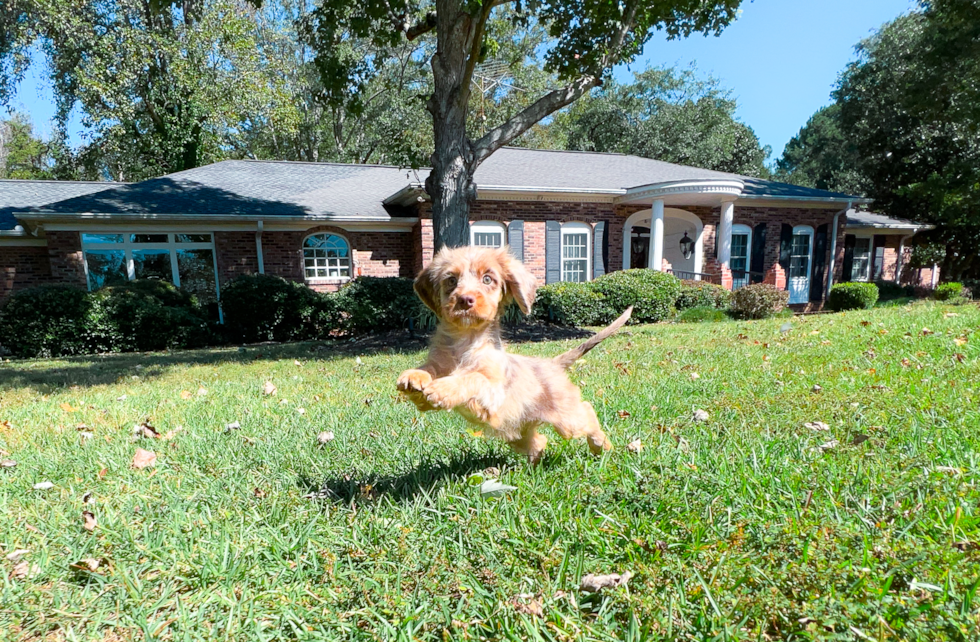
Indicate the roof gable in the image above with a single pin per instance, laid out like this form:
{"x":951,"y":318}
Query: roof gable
{"x":18,"y":195}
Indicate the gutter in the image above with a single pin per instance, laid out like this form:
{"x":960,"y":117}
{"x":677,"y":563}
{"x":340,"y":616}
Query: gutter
{"x":833,"y":247}
{"x":258,"y":248}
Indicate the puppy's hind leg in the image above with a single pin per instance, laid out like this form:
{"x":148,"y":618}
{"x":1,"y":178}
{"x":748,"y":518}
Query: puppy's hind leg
{"x":581,"y":421}
{"x":531,"y":443}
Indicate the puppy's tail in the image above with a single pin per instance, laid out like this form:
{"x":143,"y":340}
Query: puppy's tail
{"x":566,"y":359}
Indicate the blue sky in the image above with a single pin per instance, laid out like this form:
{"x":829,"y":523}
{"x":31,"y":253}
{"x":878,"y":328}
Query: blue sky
{"x":781,"y":59}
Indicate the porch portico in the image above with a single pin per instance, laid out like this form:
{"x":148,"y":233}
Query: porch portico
{"x":653,"y":238}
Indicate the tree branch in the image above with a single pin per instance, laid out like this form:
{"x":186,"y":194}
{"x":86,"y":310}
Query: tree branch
{"x":533,"y":113}
{"x":476,"y":46}
{"x":419,"y":28}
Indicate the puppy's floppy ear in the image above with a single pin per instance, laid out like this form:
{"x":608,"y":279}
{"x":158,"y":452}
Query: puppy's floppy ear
{"x":519,"y":283}
{"x":425,"y":286}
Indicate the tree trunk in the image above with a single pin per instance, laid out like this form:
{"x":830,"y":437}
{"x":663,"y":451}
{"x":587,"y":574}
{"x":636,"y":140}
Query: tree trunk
{"x":450,"y":184}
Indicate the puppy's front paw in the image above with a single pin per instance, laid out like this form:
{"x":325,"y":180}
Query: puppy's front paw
{"x":414,"y":380}
{"x":444,"y":393}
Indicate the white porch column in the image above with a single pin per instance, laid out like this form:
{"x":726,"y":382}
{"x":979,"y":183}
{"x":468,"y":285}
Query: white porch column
{"x":725,"y":233}
{"x":656,"y":255}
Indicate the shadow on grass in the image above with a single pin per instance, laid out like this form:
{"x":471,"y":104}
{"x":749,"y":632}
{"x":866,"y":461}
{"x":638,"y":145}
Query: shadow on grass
{"x":97,"y":370}
{"x":428,"y":475}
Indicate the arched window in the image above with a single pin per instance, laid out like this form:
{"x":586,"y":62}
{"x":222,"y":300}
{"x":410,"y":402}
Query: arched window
{"x":326,"y":256}
{"x":576,"y":257}
{"x":487,"y":234}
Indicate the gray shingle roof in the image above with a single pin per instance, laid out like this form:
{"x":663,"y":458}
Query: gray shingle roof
{"x":18,"y":195}
{"x":517,"y":167}
{"x":257,"y":188}
{"x":331,"y":190}
{"x":870,"y":219}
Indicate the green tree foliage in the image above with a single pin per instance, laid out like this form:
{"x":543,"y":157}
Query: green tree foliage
{"x":585,"y":41}
{"x":22,"y":153}
{"x":666,"y":114}
{"x":822,"y":156}
{"x":911,"y":104}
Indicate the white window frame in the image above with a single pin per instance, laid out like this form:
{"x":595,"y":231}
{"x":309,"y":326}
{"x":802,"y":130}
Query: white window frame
{"x":128,"y":246}
{"x":573,"y":228}
{"x":492,"y":227}
{"x":741,"y":229}
{"x":866,"y":277}
{"x":328,"y":279}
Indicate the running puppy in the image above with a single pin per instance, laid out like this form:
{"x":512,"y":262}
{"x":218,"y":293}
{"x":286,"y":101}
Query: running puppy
{"x":468,"y":371}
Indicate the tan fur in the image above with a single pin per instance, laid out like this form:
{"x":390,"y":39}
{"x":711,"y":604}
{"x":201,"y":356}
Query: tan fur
{"x":468,"y":370}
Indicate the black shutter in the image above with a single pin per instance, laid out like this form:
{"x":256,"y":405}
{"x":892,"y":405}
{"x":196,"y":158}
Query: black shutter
{"x":848,"y":265}
{"x":758,"y":263}
{"x":785,"y":246}
{"x":515,"y":239}
{"x":819,"y":264}
{"x":600,"y":249}
{"x":552,"y":251}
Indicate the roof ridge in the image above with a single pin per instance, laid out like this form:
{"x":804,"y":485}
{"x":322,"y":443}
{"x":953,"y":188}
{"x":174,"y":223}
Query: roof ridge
{"x":61,"y":182}
{"x":575,"y":151}
{"x":329,"y":163}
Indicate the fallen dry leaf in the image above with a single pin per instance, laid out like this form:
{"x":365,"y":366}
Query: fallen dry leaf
{"x":87,"y":565}
{"x":297,"y":363}
{"x":952,"y":470}
{"x":325,"y":437}
{"x":926,"y":332}
{"x":144,"y":458}
{"x":682,"y":444}
{"x":45,"y":485}
{"x":18,"y":555}
{"x":701,"y":416}
{"x":144,"y":429}
{"x":269,"y":388}
{"x":233,"y":426}
{"x":865,"y":323}
{"x":959,"y":357}
{"x":67,"y":407}
{"x":121,"y":398}
{"x":173,"y":433}
{"x":202,"y":392}
{"x":25,"y":571}
{"x":301,"y":411}
{"x":258,"y":492}
{"x":634,"y":446}
{"x":87,"y":498}
{"x":961,"y":341}
{"x":816,"y":388}
{"x":830,"y":445}
{"x":906,"y":362}
{"x":103,"y":472}
{"x":595,"y":583}
{"x":86,"y":435}
{"x":532,"y":607}
{"x":819,"y":426}
{"x":186,"y":394}
{"x":8,"y":463}
{"x":951,"y":315}
{"x":966,"y":545}
{"x":695,"y":376}
{"x":859,"y":439}
{"x":88,"y":521}
{"x":623,"y":414}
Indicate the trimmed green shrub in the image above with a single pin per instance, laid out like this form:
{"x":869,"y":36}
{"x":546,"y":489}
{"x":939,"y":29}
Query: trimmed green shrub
{"x":574,"y":304}
{"x":46,"y":321}
{"x":892,"y":290}
{"x":852,"y":296}
{"x":371,"y":303}
{"x":145,"y":315}
{"x":701,"y":294}
{"x":261,"y":307}
{"x":948,"y":291}
{"x":652,"y":294}
{"x":758,"y":301}
{"x":701,"y":315}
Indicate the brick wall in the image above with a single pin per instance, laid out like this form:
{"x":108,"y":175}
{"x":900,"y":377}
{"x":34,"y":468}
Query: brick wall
{"x":23,"y":266}
{"x":65,"y":256}
{"x":374,"y":254}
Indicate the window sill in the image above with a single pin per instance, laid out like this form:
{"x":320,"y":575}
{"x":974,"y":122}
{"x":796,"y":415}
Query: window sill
{"x":328,"y":280}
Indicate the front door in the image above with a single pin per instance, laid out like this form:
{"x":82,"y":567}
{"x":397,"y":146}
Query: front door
{"x":799,"y":265}
{"x":639,"y":247}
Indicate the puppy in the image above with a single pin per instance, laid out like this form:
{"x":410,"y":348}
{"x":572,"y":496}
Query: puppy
{"x":467,"y":369}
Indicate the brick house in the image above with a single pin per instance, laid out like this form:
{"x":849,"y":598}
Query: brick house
{"x":568,"y":215}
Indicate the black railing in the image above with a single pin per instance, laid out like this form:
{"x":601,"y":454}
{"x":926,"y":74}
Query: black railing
{"x":740,"y":278}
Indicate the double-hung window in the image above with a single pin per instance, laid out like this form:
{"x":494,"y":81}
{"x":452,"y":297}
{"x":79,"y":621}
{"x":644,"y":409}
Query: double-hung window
{"x":861,"y":265}
{"x":487,"y":234}
{"x":326,"y":256}
{"x":576,"y":258}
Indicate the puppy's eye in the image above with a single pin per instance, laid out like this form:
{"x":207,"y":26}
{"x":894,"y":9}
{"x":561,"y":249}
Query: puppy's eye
{"x":487,"y":279}
{"x":451,"y":281}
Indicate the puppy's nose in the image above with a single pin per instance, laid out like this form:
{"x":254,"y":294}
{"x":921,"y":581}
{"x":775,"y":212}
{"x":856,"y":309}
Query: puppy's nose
{"x":466,"y":301}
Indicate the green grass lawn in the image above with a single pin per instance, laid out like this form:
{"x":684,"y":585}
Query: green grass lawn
{"x":740,"y":527}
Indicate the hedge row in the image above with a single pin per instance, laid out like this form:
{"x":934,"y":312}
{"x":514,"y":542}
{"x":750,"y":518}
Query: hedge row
{"x":55,"y":320}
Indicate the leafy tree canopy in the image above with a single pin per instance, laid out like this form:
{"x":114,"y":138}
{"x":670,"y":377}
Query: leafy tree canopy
{"x":822,"y":156}
{"x":666,"y":114}
{"x":22,"y":153}
{"x":909,"y":104}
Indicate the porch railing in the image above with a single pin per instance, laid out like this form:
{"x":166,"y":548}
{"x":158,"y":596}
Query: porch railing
{"x":740,"y":278}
